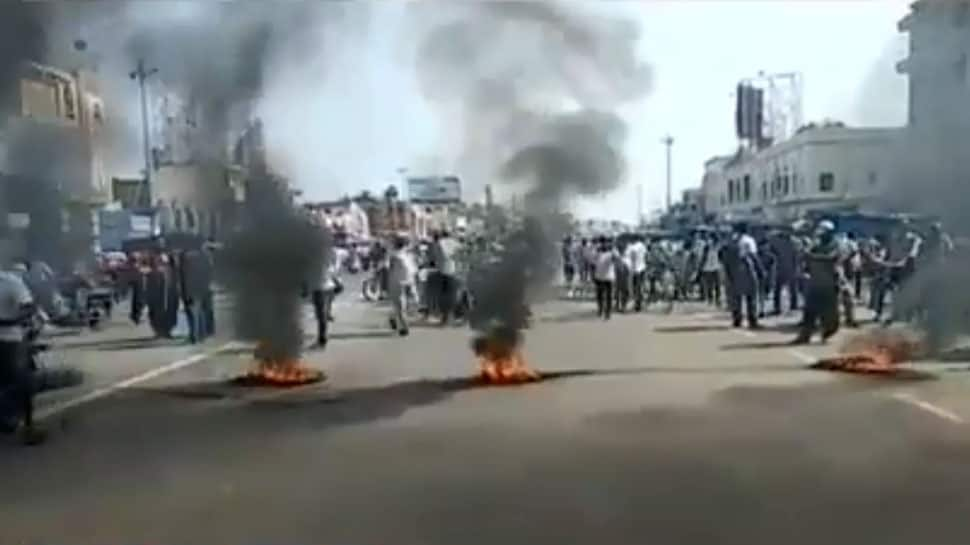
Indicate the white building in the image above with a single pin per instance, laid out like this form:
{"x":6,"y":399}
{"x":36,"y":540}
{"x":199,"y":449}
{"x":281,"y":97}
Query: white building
{"x":827,"y":167}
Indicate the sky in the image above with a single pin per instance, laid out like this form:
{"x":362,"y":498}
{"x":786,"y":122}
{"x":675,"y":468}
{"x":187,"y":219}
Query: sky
{"x":363,"y":118}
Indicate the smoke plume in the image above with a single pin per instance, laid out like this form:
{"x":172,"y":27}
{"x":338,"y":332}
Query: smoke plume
{"x":278,"y":251}
{"x":536,"y":88}
{"x":930,"y":174}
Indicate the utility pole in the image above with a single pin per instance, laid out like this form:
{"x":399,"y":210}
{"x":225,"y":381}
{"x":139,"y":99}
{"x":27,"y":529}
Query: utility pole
{"x":668,"y":141}
{"x":140,"y":74}
{"x":639,"y":205}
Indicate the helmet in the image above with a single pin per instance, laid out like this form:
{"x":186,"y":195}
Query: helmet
{"x":825,"y":226}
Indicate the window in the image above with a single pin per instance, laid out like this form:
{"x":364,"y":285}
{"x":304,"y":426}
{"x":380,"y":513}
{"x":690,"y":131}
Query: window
{"x":747,"y":187}
{"x":826,"y":182}
{"x":67,"y":92}
{"x":764,"y":191}
{"x":730,"y":190}
{"x":961,"y":15}
{"x":785,"y":185}
{"x":873,"y":178}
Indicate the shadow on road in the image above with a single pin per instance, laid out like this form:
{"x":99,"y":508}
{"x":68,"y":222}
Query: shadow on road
{"x":757,"y":345}
{"x":581,"y":316}
{"x":363,"y":335}
{"x":698,"y":328}
{"x":122,"y":344}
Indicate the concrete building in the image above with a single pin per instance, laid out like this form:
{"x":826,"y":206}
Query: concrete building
{"x":937,"y":65}
{"x":51,"y":163}
{"x":932,"y":166}
{"x":198,"y":187}
{"x":821,"y":167}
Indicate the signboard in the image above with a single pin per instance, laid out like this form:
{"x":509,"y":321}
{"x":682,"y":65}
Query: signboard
{"x":141,"y":225}
{"x":435,"y":189}
{"x":18,"y":221}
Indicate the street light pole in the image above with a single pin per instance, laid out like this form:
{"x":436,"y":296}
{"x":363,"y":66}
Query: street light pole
{"x":668,"y":141}
{"x":140,"y":74}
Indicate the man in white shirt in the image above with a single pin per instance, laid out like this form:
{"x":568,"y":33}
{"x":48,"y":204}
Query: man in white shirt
{"x":444,"y":284}
{"x":403,"y":271}
{"x":16,"y":384}
{"x":636,"y":255}
{"x":604,"y":275}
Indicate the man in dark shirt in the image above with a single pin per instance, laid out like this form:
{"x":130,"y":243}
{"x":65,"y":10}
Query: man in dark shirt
{"x":822,"y":297}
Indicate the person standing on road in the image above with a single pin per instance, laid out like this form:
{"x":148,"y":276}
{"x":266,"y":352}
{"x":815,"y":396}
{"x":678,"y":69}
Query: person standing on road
{"x":822,"y":297}
{"x":162,"y":296}
{"x":568,"y":265}
{"x":402,"y":273}
{"x":740,"y":258}
{"x":604,"y":275}
{"x":444,"y":250}
{"x":196,"y":288}
{"x":621,"y":286}
{"x":636,"y":255}
{"x":324,"y":286}
{"x":710,"y":272}
{"x":16,"y":374}
{"x":786,"y":270}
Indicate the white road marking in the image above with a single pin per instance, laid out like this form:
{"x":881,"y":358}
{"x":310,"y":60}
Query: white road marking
{"x":935,"y":410}
{"x":801,"y":356}
{"x":746,"y":333}
{"x":99,"y":393}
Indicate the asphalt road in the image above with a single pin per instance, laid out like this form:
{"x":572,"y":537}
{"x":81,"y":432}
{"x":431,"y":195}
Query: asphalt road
{"x":667,"y":429}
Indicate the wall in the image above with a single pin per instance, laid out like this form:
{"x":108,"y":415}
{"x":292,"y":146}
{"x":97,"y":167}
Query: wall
{"x":786,"y":180}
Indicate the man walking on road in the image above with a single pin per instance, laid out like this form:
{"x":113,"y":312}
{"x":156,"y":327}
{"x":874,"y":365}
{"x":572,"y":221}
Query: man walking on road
{"x":400,"y":287}
{"x":636,"y":254}
{"x":324,"y":286}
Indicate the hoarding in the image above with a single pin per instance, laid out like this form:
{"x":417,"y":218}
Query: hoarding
{"x":434,"y":189}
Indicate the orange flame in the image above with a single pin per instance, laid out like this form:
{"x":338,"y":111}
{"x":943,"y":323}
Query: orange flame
{"x":507,"y":370}
{"x":290,"y":372}
{"x":877,"y":351}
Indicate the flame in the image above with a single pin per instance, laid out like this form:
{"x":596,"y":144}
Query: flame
{"x":877,"y":351}
{"x":290,"y":372}
{"x":286,"y":373}
{"x":510,"y":369}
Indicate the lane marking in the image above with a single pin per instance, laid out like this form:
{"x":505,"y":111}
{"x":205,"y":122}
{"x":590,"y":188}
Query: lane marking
{"x":935,"y":410}
{"x":104,"y":391}
{"x":801,"y":356}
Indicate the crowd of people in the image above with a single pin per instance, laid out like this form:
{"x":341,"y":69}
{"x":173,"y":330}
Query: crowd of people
{"x":809,"y":267}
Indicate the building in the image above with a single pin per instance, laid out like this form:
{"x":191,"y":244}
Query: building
{"x":937,"y":65}
{"x":932,"y":165}
{"x":198,"y":188}
{"x":822,"y":167}
{"x":51,"y":164}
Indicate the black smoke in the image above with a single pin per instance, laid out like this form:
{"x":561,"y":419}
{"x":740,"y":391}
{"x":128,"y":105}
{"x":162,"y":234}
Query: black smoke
{"x":536,"y":88}
{"x":268,"y":264}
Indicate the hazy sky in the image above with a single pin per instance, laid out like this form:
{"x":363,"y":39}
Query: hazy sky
{"x":358,"y":116}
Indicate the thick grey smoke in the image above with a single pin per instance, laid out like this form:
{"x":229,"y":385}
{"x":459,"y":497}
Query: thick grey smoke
{"x":23,"y":35}
{"x":931,"y":172}
{"x":536,"y":88}
{"x":266,"y":263}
